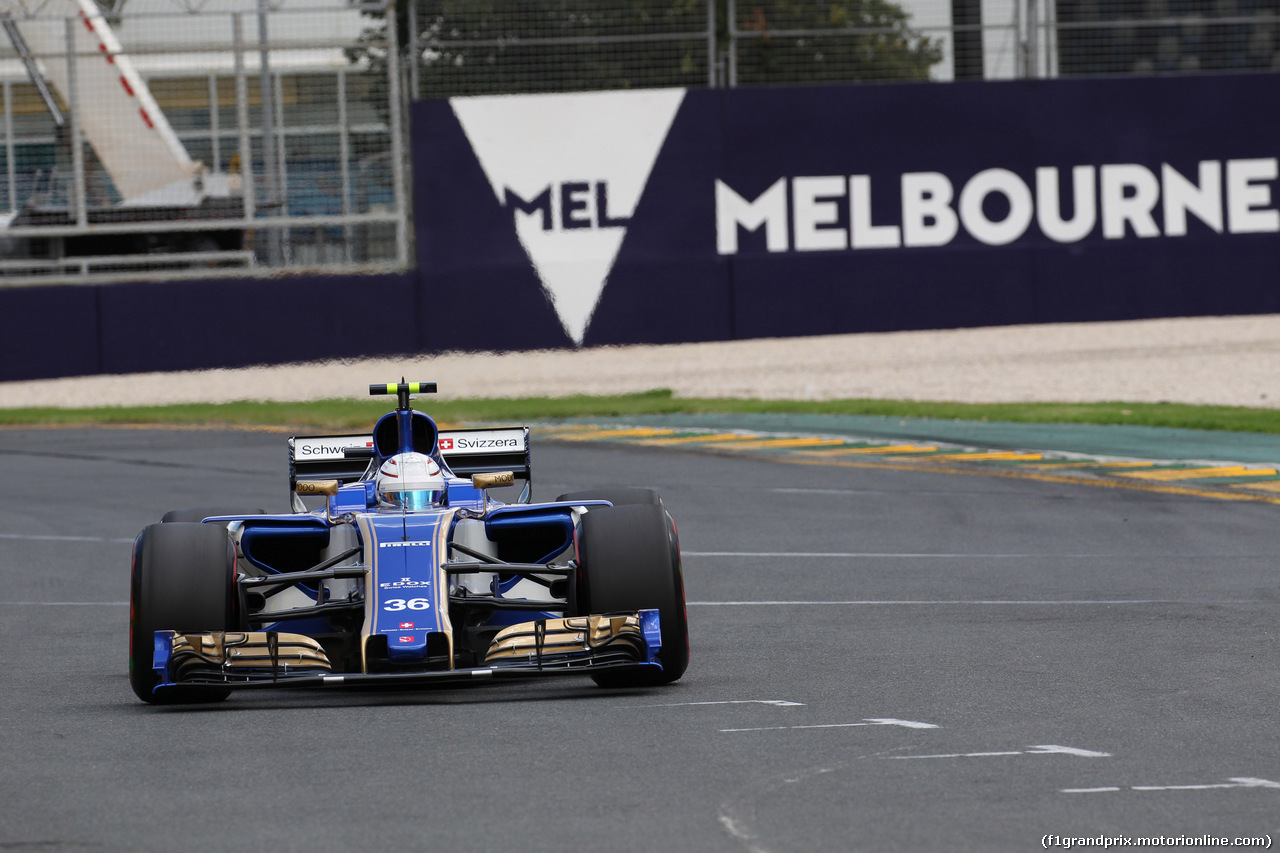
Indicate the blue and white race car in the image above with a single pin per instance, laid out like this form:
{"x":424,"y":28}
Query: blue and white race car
{"x":410,"y":574}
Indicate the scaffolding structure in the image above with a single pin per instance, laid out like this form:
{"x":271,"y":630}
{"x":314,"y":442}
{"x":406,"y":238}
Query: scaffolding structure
{"x":154,"y":137}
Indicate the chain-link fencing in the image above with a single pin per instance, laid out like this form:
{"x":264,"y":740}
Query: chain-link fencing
{"x":519,"y":46}
{"x":174,"y":105}
{"x":1167,"y":36}
{"x":483,"y":48}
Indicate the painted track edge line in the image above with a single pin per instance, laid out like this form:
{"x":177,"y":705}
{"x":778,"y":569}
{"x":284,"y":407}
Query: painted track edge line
{"x":975,"y":602}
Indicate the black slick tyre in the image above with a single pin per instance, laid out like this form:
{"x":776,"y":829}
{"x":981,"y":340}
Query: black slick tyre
{"x":616,"y":495}
{"x":182,"y":580}
{"x":201,"y":513}
{"x":629,"y":557}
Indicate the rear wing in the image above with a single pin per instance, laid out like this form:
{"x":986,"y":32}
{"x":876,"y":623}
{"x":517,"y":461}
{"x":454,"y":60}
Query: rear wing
{"x":465,"y":451}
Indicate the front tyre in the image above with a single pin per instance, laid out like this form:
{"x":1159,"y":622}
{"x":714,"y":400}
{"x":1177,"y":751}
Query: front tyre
{"x":182,"y":580}
{"x":629,"y":558}
{"x":201,"y":513}
{"x":616,"y":495}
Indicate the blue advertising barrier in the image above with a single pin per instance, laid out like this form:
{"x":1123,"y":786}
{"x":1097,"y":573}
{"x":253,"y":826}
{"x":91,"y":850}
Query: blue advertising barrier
{"x":992,"y":204}
{"x":660,"y":216}
{"x":51,"y":331}
{"x":777,"y":212}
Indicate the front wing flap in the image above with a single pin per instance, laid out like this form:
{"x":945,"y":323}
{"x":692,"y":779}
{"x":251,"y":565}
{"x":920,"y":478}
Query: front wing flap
{"x":257,"y":659}
{"x":548,"y":642}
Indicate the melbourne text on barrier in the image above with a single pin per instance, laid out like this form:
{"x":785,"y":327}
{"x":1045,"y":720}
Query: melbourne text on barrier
{"x":833,"y":213}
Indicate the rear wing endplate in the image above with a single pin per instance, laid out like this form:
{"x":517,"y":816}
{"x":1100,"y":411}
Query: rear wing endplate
{"x":482,"y":450}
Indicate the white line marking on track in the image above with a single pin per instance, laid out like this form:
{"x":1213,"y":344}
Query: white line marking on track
{"x":883,"y":554}
{"x":50,"y":538}
{"x":915,"y":556}
{"x":877,"y":721}
{"x":958,"y":755}
{"x":957,"y":602}
{"x":781,"y":703}
{"x":1181,"y":787}
{"x":758,"y":729}
{"x":1046,"y":749}
{"x":1233,"y":782}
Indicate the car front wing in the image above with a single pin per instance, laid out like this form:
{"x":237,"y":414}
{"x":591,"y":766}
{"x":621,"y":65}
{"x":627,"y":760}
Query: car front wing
{"x":270,"y":659}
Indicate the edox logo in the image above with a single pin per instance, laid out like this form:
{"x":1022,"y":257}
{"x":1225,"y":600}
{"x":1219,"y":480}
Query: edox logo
{"x":570,"y":169}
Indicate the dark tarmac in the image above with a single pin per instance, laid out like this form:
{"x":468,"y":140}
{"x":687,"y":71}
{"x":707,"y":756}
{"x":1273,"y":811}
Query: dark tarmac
{"x":882,"y":660}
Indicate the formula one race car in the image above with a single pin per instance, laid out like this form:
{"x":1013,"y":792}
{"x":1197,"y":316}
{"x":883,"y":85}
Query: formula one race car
{"x":410,"y":574}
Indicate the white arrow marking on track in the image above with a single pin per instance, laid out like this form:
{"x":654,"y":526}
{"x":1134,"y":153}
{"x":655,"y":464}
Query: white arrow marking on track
{"x":1233,"y":782}
{"x":879,"y":721}
{"x":909,"y":724}
{"x":1067,"y":750}
{"x":1047,"y":749}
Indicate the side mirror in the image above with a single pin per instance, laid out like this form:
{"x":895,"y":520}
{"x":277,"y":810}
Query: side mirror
{"x":493,"y":480}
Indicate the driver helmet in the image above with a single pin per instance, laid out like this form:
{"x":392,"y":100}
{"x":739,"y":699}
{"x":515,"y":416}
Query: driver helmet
{"x":410,"y":481}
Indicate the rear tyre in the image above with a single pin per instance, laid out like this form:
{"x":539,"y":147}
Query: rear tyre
{"x":616,"y":495}
{"x":201,"y":513}
{"x":182,"y":580}
{"x":629,"y":558}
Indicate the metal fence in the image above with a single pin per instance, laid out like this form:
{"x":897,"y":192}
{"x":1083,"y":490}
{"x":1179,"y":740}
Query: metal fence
{"x":462,"y":48}
{"x":480,"y":48}
{"x":225,"y":137}
{"x":1167,"y":36}
{"x":130,"y":133}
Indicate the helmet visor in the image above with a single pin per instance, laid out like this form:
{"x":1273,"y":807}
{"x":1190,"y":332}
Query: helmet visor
{"x":413,"y":500}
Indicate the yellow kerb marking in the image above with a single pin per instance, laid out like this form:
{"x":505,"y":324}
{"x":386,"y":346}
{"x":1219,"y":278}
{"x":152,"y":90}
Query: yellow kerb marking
{"x":1049,"y":466}
{"x":601,"y":434}
{"x":1168,"y":475}
{"x":992,"y":456}
{"x":873,"y":451}
{"x":769,"y":443}
{"x":1266,"y":487}
{"x":698,"y":439}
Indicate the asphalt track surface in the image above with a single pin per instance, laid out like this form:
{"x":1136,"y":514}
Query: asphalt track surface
{"x":882,"y":660}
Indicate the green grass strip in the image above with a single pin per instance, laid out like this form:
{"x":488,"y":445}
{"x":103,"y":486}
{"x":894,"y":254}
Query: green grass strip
{"x":360,"y":413}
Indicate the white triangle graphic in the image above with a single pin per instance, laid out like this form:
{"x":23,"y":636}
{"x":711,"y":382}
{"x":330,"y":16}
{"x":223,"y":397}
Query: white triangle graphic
{"x":568,"y":146}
